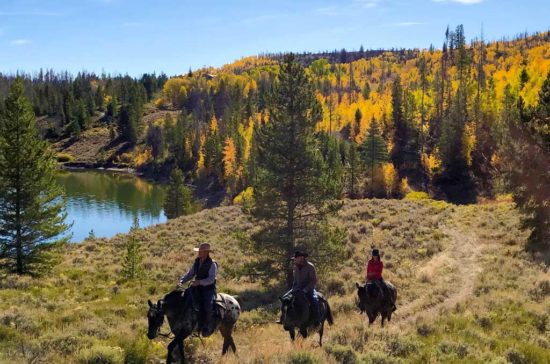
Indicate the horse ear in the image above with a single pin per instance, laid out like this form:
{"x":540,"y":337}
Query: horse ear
{"x":357,"y":284}
{"x":150,"y":303}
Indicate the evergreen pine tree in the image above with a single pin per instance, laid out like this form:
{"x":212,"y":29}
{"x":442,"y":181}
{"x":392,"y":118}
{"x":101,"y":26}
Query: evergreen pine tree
{"x":357,"y":124}
{"x":131,"y":262}
{"x":292,"y":198}
{"x":525,"y":155}
{"x":373,"y":149}
{"x":179,"y":197}
{"x":353,"y":169}
{"x":31,"y":202}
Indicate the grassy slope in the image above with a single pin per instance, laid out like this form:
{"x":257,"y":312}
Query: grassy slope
{"x":467,"y":292}
{"x":94,"y":146}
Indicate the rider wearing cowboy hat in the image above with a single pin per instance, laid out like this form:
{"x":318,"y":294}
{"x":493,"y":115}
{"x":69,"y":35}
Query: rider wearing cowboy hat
{"x":203,"y":272}
{"x":305,"y":280}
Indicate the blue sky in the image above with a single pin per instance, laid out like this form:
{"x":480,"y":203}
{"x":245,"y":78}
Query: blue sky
{"x":136,"y":36}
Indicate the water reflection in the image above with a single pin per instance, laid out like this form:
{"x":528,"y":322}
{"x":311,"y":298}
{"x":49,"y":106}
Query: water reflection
{"x":106,"y":202}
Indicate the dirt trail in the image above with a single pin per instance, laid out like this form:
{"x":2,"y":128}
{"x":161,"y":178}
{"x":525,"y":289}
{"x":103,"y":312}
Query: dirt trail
{"x":452,"y":274}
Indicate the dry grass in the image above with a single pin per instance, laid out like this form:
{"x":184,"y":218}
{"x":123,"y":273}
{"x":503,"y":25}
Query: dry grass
{"x":467,"y":292}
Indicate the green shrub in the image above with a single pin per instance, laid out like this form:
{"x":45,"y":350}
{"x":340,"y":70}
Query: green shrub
{"x":515,"y":357}
{"x":137,"y":351}
{"x":402,"y":347}
{"x":342,"y":353}
{"x":99,"y":354}
{"x":377,"y":357}
{"x":303,"y":357}
{"x":417,"y":195}
{"x":64,"y":157}
{"x":424,"y":329}
{"x":335,"y":286}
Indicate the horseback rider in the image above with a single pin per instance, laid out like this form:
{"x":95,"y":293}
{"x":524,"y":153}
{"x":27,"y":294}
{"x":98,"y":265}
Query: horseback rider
{"x":375,"y":266}
{"x":305,"y":280}
{"x":203,"y":272}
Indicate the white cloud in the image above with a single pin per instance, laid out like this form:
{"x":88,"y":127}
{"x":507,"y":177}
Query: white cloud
{"x":30,"y":13}
{"x":349,"y":8}
{"x":406,"y":24}
{"x":259,"y":19}
{"x":132,"y":24}
{"x":367,"y":3}
{"x":463,"y":2}
{"x":19,"y":42}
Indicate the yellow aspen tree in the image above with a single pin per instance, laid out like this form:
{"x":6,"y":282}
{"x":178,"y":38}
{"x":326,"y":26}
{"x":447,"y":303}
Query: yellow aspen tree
{"x":390,"y":178}
{"x":229,"y":158}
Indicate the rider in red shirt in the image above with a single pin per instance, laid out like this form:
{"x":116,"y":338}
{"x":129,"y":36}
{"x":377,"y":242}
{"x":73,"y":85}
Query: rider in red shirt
{"x":374,"y":273}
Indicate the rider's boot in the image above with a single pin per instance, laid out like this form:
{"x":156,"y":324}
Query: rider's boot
{"x":207,"y":327}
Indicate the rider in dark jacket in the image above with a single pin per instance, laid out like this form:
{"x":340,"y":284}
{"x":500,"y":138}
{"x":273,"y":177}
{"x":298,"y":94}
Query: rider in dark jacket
{"x":204,"y":271}
{"x":305,"y":280}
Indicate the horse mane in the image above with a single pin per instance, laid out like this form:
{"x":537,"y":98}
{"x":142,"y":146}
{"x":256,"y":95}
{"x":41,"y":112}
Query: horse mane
{"x":174,"y":297}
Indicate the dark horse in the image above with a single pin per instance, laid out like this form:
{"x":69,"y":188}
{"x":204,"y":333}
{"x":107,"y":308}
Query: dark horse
{"x":296,"y":313}
{"x":183,"y":319}
{"x":373,"y":303}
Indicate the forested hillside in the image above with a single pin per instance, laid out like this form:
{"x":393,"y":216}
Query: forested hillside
{"x":435,"y":120}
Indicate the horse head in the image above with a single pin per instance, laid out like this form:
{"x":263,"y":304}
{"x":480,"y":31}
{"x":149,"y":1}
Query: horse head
{"x":155,"y":317}
{"x":362,"y":297}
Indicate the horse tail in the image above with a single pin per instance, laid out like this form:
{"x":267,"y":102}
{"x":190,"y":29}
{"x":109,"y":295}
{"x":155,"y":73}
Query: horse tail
{"x":330,"y":318}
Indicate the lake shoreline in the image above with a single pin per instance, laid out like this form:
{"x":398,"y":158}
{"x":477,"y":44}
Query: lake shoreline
{"x":88,"y":167}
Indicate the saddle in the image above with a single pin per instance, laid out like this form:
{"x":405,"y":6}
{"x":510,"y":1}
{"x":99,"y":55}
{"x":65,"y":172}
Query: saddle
{"x":220,"y":306}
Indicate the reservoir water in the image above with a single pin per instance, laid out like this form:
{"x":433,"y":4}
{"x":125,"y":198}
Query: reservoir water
{"x":107,"y":202}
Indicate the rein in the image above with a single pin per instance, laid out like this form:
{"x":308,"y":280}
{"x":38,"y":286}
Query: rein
{"x":160,"y":333}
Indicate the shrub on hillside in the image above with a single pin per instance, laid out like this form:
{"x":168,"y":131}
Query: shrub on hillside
{"x":137,"y":351}
{"x":417,"y":195}
{"x":303,"y":357}
{"x":342,"y":353}
{"x":64,"y":157}
{"x":402,"y":347}
{"x":99,"y":354}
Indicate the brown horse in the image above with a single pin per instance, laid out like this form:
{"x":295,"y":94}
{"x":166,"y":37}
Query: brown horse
{"x":183,"y":320}
{"x":295,"y":309}
{"x":373,"y":303}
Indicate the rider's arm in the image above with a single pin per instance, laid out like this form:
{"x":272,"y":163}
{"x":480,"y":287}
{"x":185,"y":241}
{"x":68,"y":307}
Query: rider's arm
{"x":187,"y":276}
{"x":294,"y":280}
{"x":312,"y":281}
{"x":211,"y":276}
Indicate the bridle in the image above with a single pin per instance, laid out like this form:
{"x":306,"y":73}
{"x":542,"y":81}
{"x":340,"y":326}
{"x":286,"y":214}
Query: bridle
{"x":160,"y":311}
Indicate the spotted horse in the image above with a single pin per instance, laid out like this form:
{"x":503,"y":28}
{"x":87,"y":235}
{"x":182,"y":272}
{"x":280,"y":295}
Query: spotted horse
{"x":177,"y":307}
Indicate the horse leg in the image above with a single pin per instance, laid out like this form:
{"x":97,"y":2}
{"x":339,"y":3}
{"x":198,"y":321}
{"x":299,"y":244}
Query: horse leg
{"x":182,"y":353}
{"x":170,"y":348}
{"x":303,"y":331}
{"x":226,"y":332}
{"x":372,"y":317}
{"x":292,"y":333}
{"x":383,"y":318}
{"x":321,"y":329}
{"x":233,"y":346}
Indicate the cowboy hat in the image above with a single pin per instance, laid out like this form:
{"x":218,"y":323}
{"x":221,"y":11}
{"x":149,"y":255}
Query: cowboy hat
{"x":203,"y":247}
{"x":300,"y":253}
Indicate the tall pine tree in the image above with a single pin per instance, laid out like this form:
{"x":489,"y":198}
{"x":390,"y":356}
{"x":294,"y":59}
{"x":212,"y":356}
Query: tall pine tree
{"x":293,"y":196}
{"x":31,"y":202}
{"x":179,"y":197}
{"x":373,"y":148}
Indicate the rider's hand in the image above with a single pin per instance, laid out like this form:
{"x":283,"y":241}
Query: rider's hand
{"x":195,"y":283}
